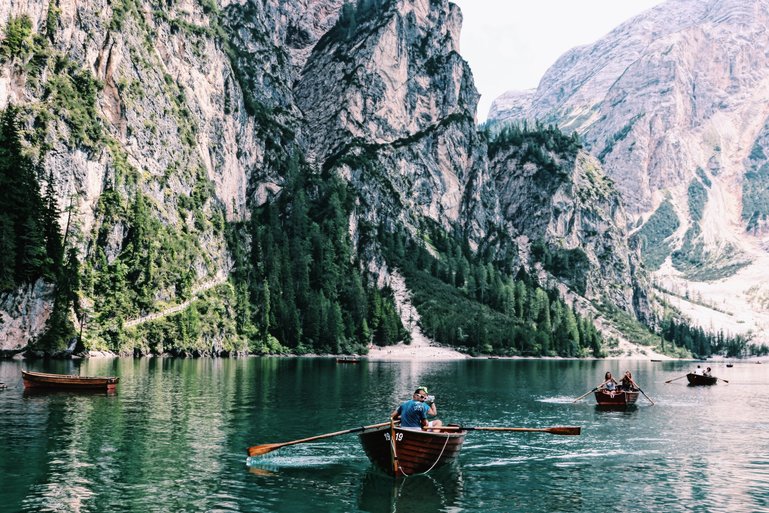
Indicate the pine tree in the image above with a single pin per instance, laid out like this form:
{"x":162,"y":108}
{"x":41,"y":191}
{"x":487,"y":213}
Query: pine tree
{"x":52,"y":232}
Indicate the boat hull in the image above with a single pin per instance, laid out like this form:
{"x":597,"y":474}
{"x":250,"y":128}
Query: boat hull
{"x":698,"y":380}
{"x":417,"y":451}
{"x":615,"y":398}
{"x":68,"y":382}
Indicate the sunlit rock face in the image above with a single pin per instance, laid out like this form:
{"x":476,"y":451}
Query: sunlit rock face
{"x":680,"y":87}
{"x":206,"y":100}
{"x":675,"y":105}
{"x":396,"y":93}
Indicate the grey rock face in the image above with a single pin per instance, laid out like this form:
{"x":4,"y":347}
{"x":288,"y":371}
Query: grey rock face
{"x":382,"y":98}
{"x":678,"y":89}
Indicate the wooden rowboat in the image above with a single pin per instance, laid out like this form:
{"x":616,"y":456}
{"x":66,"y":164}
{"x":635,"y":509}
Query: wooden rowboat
{"x":405,"y":452}
{"x":698,"y":379}
{"x":347,"y":359}
{"x":66,"y":381}
{"x":615,"y":398}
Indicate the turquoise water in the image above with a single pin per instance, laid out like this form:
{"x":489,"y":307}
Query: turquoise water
{"x":174,"y":437}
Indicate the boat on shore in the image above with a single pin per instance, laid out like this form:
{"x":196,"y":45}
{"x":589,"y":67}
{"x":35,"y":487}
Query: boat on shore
{"x":348,"y":359}
{"x":616,"y":398}
{"x":41,"y":380}
{"x":404,"y":452}
{"x":700,"y":380}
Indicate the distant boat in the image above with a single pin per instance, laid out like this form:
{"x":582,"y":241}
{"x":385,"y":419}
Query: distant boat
{"x":2,"y":386}
{"x":656,"y":360}
{"x":730,"y":365}
{"x":347,"y":359}
{"x":616,"y":398}
{"x":417,"y":451}
{"x":68,"y":381}
{"x":698,"y":379}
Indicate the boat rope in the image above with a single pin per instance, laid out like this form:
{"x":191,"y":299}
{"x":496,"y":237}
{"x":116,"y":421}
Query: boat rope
{"x":448,"y":435}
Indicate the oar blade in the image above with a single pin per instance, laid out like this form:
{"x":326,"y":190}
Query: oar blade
{"x":565,"y":430}
{"x":259,"y":450}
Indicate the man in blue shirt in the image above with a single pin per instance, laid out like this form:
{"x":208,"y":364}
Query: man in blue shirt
{"x":413,"y":414}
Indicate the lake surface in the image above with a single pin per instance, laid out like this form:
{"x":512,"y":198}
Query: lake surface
{"x":173,"y":438}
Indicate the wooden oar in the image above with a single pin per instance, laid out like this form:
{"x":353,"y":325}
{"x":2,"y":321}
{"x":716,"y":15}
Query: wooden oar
{"x":586,"y":393}
{"x":676,"y":379}
{"x":644,"y":393}
{"x":724,"y":380}
{"x":557,"y":430}
{"x":258,"y":450}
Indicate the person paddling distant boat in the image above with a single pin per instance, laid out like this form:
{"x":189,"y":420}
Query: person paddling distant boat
{"x":609,"y":383}
{"x":627,"y":383}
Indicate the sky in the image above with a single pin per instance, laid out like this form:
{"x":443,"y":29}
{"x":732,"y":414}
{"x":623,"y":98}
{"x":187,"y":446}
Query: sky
{"x":509,"y":44}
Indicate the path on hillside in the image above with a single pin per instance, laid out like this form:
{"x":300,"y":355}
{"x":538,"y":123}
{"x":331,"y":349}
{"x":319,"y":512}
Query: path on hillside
{"x":220,"y":278}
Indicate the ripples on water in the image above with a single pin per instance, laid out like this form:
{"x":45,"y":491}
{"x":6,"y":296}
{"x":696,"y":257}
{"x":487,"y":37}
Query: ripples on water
{"x":174,"y":437}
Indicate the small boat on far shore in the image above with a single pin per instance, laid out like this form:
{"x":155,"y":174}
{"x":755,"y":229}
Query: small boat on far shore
{"x":347,"y":359}
{"x":699,"y":379}
{"x":68,"y":381}
{"x":616,"y":398}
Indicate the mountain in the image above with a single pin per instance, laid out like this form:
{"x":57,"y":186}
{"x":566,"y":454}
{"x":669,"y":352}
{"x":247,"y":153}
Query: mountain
{"x":673,"y":103}
{"x":203,"y":178}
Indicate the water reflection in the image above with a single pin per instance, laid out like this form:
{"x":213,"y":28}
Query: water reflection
{"x":437,"y":491}
{"x":54,"y":392}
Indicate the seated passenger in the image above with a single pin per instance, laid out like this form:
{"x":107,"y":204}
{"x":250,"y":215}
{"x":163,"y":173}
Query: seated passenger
{"x":609,"y":382}
{"x":627,"y":383}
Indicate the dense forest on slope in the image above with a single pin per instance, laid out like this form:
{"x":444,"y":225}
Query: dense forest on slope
{"x":477,"y":308}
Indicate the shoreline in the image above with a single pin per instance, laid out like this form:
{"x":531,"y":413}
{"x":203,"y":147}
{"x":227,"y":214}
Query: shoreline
{"x":414,"y":352}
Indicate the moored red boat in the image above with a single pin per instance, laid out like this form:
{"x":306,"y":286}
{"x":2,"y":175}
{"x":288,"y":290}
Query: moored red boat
{"x":412,"y":451}
{"x":68,"y":381}
{"x":617,"y":398}
{"x":699,"y":379}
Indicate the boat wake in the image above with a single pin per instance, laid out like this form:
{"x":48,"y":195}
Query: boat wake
{"x":561,"y":399}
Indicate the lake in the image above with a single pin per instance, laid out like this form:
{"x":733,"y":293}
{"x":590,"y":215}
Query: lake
{"x":174,"y":438}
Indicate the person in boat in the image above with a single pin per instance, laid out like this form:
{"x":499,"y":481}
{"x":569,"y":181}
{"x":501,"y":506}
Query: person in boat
{"x":698,"y":371}
{"x":627,"y":383}
{"x":707,"y":372}
{"x":609,"y":383}
{"x":415,"y":412}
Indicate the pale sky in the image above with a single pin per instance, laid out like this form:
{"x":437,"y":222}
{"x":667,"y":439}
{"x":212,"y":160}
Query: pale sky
{"x":511,"y":43}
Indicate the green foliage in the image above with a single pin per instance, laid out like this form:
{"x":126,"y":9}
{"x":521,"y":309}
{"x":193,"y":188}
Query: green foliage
{"x":755,"y":197}
{"x":154,"y":260}
{"x":617,"y":137}
{"x":703,"y":177}
{"x":473,"y":305}
{"x":699,"y":343}
{"x":638,"y":333}
{"x":31,"y":245}
{"x":571,"y":265}
{"x":30,"y":225}
{"x":698,"y":196}
{"x":17,"y":42}
{"x":308,"y":291}
{"x":538,"y":144}
{"x":207,"y":326}
{"x":652,"y":236}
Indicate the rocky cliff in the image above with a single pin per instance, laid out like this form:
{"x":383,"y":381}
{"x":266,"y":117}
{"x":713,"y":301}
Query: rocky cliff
{"x":164,"y":125}
{"x":674,"y":105}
